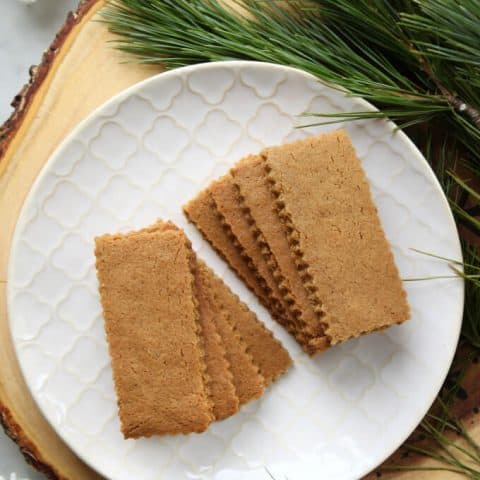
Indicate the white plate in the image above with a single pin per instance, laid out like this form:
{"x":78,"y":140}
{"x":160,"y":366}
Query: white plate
{"x":141,"y":156}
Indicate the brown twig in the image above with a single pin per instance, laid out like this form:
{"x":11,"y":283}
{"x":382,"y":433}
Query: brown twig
{"x":459,"y":105}
{"x":453,"y":100}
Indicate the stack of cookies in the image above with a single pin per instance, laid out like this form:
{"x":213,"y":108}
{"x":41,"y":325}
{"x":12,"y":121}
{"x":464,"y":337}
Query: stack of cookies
{"x":185,"y":350}
{"x":298,"y":225}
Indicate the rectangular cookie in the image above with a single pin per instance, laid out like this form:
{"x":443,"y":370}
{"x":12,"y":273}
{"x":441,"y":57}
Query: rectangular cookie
{"x":201,"y":211}
{"x":151,"y":321}
{"x":249,"y":382}
{"x":243,"y":371}
{"x":323,"y":198}
{"x":227,"y":200}
{"x":250,"y":178}
{"x":219,"y":376}
{"x":266,"y":351}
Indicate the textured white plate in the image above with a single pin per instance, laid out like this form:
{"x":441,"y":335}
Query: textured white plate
{"x":141,"y":156}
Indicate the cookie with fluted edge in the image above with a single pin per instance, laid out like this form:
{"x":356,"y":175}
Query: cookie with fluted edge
{"x":219,"y":375}
{"x":220,"y":378}
{"x":335,"y":235}
{"x":227,"y":201}
{"x":249,"y":382}
{"x":202,"y":212}
{"x":266,"y":351}
{"x":151,"y":322}
{"x":259,"y":204}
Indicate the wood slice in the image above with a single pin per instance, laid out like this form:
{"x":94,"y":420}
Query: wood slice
{"x":78,"y":73}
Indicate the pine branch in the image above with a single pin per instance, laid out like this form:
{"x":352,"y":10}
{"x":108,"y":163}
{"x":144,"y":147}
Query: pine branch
{"x":451,"y":34}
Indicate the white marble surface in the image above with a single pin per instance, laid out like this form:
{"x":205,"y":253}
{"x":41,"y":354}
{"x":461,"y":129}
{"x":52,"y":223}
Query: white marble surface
{"x":25,"y":31}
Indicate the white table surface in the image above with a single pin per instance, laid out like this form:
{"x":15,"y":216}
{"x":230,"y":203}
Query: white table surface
{"x":25,"y":31}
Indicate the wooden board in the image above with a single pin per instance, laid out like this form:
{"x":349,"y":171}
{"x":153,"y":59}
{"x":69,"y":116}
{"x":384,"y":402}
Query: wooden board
{"x":78,"y":73}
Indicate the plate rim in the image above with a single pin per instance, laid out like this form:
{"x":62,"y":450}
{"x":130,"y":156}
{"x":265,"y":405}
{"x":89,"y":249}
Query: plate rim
{"x":180,"y":71}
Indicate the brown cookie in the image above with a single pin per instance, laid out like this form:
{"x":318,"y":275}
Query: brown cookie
{"x":266,"y":351}
{"x":151,"y":322}
{"x":250,"y":177}
{"x":249,"y":382}
{"x":220,"y":379}
{"x":227,"y":200}
{"x":221,"y":382}
{"x":323,"y":199}
{"x":202,"y":212}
